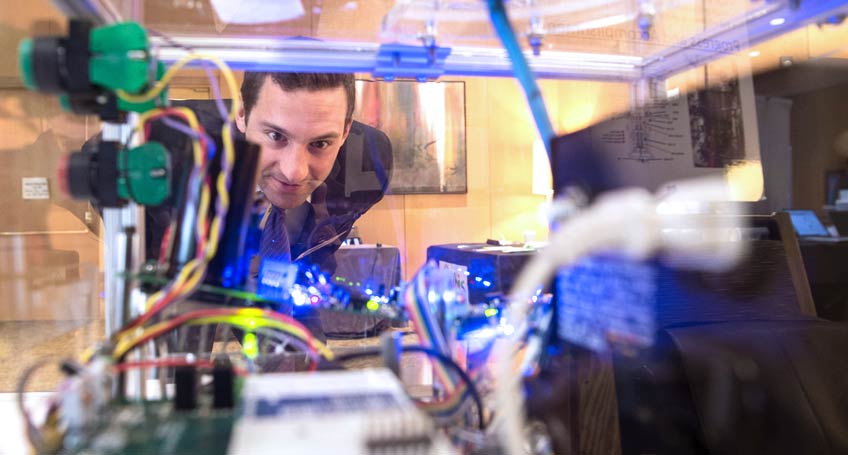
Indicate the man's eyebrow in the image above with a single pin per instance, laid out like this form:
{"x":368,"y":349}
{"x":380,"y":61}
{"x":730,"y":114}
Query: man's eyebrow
{"x":322,"y":137}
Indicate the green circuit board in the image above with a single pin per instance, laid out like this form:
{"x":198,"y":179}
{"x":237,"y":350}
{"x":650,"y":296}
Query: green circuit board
{"x":155,"y":428}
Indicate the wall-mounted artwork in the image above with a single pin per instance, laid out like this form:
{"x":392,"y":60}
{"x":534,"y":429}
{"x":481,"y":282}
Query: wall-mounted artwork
{"x":426,"y":125}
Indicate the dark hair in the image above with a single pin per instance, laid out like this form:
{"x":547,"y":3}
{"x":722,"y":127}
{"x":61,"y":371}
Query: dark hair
{"x":253,"y":81}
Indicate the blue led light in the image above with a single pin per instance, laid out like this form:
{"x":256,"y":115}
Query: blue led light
{"x":299,"y":298}
{"x":478,"y":279}
{"x":368,"y":292}
{"x":227,"y":276}
{"x":487,"y":283}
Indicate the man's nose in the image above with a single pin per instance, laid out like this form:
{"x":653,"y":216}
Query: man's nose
{"x":293,"y":163}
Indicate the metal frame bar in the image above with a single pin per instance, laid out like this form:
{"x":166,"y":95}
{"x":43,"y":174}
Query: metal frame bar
{"x":741,"y":33}
{"x":290,"y":55}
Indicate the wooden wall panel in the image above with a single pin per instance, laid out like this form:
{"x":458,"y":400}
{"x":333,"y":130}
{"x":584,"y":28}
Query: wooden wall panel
{"x":817,"y":119}
{"x":512,"y":132}
{"x":20,"y":19}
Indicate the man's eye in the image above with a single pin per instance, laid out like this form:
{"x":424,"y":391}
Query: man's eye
{"x":274,"y":136}
{"x":320,"y":145}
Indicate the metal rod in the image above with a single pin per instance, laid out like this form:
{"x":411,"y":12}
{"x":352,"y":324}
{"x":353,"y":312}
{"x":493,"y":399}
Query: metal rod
{"x":277,"y":54}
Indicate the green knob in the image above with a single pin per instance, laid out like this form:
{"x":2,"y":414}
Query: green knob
{"x":145,"y":174}
{"x":25,"y":63}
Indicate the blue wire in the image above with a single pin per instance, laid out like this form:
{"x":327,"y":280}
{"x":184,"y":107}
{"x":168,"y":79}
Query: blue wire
{"x":500,"y":22}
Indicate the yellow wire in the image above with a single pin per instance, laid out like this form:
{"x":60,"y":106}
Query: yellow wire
{"x":192,"y":273}
{"x":166,"y":78}
{"x":246,"y":322}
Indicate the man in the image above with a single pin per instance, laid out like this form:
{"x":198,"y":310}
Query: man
{"x":300,"y":121}
{"x":303,"y":123}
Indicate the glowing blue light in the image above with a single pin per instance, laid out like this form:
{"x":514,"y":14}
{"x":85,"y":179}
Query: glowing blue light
{"x":369,"y":292}
{"x":487,"y":283}
{"x":478,"y":279}
{"x":322,"y":279}
{"x":777,"y":21}
{"x":312,"y":290}
{"x":227,"y":276}
{"x":298,"y":297}
{"x":310,"y":275}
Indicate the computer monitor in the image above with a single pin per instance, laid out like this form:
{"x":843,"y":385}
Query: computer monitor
{"x":807,"y":224}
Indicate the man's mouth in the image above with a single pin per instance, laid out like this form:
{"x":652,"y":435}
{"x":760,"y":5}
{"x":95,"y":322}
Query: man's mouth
{"x":286,"y":187}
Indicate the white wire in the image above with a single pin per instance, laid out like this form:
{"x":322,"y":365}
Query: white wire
{"x":599,"y":228}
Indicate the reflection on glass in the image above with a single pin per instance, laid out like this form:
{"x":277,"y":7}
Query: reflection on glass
{"x":425,"y":123}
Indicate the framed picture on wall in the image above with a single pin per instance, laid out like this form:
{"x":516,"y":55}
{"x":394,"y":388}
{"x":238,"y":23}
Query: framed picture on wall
{"x":426,"y":125}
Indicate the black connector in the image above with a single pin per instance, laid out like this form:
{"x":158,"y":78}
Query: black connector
{"x":223,"y":380}
{"x":185,"y":388}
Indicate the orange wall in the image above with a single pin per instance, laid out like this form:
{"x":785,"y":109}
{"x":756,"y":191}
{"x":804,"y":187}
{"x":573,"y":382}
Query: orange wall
{"x":499,"y":203}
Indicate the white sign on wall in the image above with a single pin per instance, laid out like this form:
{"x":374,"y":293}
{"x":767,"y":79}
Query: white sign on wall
{"x":35,"y":188}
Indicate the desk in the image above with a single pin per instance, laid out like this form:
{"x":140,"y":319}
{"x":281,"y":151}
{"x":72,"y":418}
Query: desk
{"x":826,"y":264}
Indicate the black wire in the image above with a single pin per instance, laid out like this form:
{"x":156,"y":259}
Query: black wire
{"x":434,"y":354}
{"x":36,"y":439}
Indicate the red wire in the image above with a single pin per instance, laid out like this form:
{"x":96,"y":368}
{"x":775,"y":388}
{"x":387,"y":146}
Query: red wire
{"x":141,"y":319}
{"x":163,"y":363}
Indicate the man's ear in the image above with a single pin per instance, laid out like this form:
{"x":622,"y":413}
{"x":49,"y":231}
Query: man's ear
{"x":346,"y":131}
{"x":241,"y":120}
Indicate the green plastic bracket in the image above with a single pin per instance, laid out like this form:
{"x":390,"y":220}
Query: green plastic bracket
{"x":65,"y":103}
{"x":25,"y":63}
{"x":144,"y":174}
{"x":120,"y":57}
{"x":161,"y":100}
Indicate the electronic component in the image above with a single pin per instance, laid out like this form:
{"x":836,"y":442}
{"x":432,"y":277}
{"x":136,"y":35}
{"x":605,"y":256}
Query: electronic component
{"x":367,"y":410}
{"x":185,"y":388}
{"x":603,"y":300}
{"x":223,"y":384}
{"x":481,"y":270}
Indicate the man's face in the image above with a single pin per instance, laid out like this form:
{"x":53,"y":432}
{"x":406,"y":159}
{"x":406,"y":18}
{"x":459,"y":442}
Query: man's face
{"x":300,"y":133}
